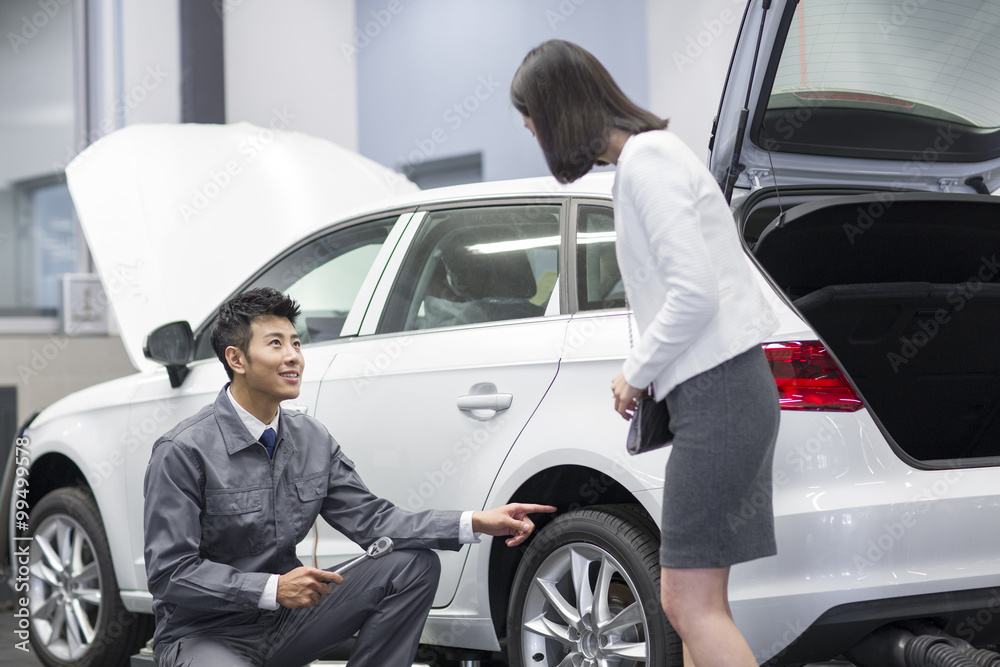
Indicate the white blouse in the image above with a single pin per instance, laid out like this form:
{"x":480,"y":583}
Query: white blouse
{"x":696,"y":296}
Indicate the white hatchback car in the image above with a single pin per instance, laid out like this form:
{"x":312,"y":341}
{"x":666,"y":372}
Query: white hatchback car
{"x":459,"y":344}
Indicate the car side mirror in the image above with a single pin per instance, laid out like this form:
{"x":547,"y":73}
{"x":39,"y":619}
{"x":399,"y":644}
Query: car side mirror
{"x":173,"y":346}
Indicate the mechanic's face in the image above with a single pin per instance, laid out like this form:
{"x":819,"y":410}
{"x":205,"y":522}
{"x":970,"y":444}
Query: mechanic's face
{"x":273,"y":365}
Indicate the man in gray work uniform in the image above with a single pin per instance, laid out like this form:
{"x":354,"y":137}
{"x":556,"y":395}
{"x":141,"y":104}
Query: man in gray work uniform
{"x":232,"y":490}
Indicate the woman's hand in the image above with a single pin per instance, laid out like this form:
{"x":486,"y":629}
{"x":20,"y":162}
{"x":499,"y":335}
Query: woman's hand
{"x":625,"y":395}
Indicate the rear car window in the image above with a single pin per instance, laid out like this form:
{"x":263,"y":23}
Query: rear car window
{"x":934,"y":59}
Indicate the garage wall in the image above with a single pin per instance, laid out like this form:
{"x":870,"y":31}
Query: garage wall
{"x":433,"y":77}
{"x":690,"y":45}
{"x":284,"y":68}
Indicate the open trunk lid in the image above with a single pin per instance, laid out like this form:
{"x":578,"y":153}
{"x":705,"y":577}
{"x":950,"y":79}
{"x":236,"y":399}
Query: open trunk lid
{"x":877,"y":93}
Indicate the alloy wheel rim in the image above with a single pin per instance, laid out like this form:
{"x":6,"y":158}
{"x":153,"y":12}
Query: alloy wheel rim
{"x":583,"y":610}
{"x":65,"y":589}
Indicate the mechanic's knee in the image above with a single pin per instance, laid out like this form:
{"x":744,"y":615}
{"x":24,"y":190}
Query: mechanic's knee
{"x":427,"y":561}
{"x":415,"y":568}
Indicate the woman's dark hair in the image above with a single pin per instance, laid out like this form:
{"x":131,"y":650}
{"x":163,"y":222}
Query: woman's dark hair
{"x":573,"y":101}
{"x":233,"y":326}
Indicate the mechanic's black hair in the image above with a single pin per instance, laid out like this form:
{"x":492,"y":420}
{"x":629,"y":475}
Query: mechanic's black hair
{"x":573,"y":101}
{"x":233,"y":326}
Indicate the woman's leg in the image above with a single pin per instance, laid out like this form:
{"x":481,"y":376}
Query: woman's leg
{"x":697,"y":605}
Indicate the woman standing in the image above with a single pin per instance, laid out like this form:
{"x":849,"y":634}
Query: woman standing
{"x":702,"y":317}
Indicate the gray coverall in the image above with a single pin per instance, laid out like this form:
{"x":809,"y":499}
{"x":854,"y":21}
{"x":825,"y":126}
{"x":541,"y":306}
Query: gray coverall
{"x":220,"y":518}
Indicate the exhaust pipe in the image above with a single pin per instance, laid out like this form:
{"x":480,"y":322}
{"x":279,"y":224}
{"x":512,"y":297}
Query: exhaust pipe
{"x":917,"y":644}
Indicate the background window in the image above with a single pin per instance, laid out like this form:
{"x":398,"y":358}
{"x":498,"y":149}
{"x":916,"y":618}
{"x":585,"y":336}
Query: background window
{"x":39,"y":236}
{"x":468,"y":266}
{"x":599,"y":282}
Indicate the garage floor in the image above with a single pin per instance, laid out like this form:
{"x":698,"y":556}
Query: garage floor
{"x":12,"y":657}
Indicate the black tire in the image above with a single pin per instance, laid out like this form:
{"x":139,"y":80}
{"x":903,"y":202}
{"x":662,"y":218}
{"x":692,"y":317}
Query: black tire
{"x":618,"y":549}
{"x":77,"y":616}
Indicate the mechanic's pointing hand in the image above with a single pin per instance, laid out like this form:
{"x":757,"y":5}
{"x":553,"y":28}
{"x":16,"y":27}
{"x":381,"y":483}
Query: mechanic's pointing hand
{"x":510,"y":519}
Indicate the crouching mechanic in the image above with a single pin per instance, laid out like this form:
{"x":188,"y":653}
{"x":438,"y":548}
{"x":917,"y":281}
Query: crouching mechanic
{"x":232,"y":490}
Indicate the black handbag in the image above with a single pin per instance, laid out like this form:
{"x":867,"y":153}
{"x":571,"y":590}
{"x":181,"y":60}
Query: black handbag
{"x":649,"y":427}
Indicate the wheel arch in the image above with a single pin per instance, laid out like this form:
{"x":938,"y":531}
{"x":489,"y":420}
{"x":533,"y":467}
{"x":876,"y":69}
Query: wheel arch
{"x":567,"y":487}
{"x":51,"y":471}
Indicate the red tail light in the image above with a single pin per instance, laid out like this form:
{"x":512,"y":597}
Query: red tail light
{"x":808,"y":378}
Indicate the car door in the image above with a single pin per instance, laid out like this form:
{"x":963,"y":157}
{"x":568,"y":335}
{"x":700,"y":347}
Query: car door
{"x":332,"y":277}
{"x":457,"y":351}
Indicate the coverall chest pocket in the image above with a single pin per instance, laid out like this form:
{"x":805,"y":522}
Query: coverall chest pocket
{"x":311,"y":492}
{"x":233,"y":522}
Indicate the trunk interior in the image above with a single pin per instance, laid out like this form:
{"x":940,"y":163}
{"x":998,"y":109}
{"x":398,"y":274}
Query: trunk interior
{"x":904,"y":288}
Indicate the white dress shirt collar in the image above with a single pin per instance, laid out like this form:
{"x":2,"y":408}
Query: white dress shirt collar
{"x":255,"y":426}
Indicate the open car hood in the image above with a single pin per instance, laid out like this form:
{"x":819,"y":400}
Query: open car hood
{"x":876,"y":93}
{"x":178,"y":216}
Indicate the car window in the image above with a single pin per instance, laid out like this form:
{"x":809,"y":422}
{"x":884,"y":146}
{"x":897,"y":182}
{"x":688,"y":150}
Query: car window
{"x":599,"y":282}
{"x":468,"y":266}
{"x":324,"y":276}
{"x":935,"y":60}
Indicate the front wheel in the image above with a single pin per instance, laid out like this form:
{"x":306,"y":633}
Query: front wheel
{"x":77,"y":616}
{"x":587,"y":594}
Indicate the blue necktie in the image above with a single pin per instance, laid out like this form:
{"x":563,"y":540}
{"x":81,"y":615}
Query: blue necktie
{"x":267,"y":439}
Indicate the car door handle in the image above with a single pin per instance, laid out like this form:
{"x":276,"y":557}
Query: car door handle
{"x":495,"y":402}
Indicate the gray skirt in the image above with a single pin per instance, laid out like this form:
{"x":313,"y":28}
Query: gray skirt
{"x":717,"y":507}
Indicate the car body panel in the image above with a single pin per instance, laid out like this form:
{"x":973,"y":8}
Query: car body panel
{"x":400,"y":382}
{"x":855,"y":523}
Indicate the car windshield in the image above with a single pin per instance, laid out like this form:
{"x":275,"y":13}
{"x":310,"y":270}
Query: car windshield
{"x":926,"y":58}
